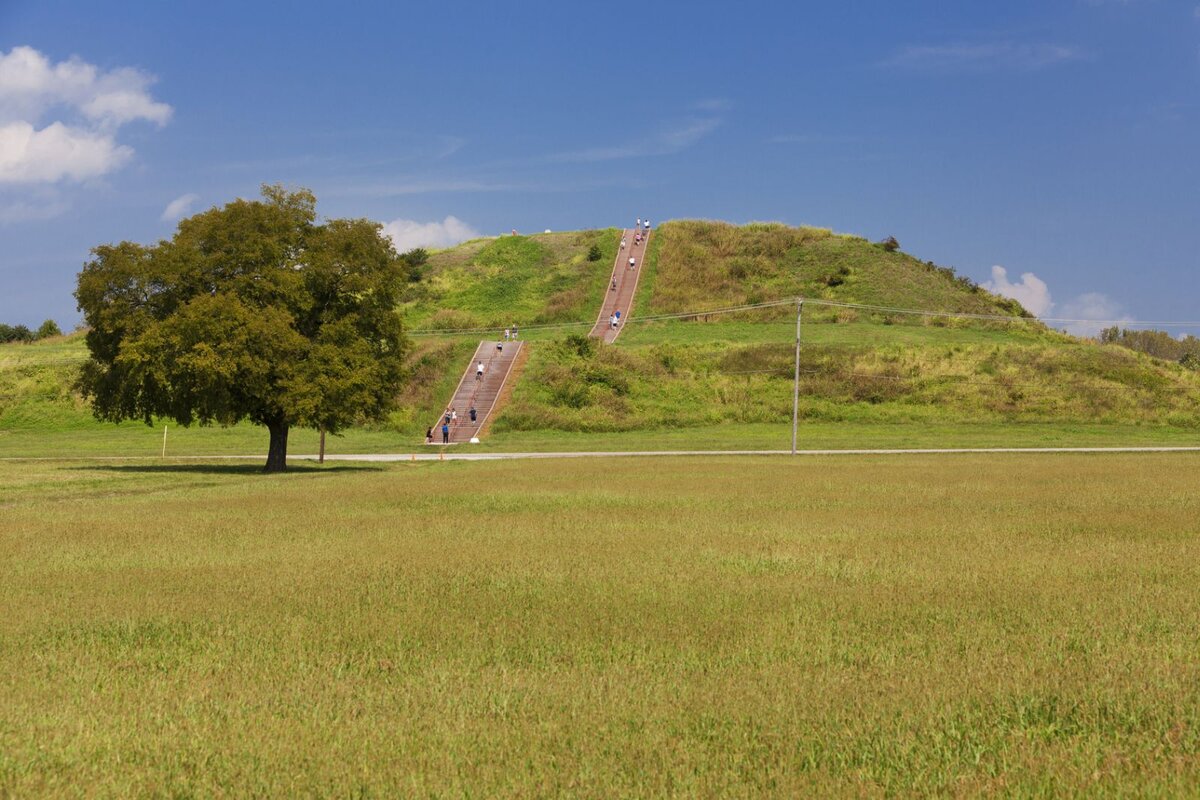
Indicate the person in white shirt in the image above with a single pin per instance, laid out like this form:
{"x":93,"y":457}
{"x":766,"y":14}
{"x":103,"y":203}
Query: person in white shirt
{"x":632,"y":263}
{"x":639,"y":224}
{"x":479,"y":370}
{"x":647,"y":226}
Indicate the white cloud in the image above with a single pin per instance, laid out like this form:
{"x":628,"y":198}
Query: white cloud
{"x":179,"y":207}
{"x":1031,"y":292}
{"x":995,"y":55}
{"x":408,"y":233}
{"x":56,"y":152}
{"x":90,"y":105}
{"x":1086,"y":315}
{"x":1095,"y":312}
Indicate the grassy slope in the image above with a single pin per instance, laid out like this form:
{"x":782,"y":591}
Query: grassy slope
{"x":725,"y":382}
{"x":884,"y":627}
{"x":713,"y":264}
{"x":860,"y":369}
{"x":526,"y":279}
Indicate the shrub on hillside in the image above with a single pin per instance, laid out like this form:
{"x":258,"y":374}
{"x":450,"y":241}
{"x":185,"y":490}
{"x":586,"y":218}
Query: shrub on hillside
{"x":16,"y":333}
{"x":594,"y":253}
{"x":47,"y":329}
{"x":890,"y":244}
{"x":414,"y":260}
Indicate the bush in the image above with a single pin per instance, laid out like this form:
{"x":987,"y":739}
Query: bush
{"x":594,"y":253}
{"x":47,"y":329}
{"x":580,"y":345}
{"x":16,"y":333}
{"x":890,"y":244}
{"x":415,"y":259}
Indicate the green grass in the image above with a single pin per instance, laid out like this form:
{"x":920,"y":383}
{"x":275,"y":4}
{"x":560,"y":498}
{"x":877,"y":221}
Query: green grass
{"x":1021,"y":626}
{"x":698,"y":386}
{"x":703,"y":264}
{"x":688,"y":384}
{"x":528,"y":280}
{"x":719,"y":329}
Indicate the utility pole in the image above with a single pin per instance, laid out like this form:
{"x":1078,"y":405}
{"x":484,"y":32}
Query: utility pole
{"x":796,"y":379}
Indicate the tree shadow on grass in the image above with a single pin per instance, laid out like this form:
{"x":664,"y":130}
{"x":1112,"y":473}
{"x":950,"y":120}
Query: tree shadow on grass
{"x":251,"y":468}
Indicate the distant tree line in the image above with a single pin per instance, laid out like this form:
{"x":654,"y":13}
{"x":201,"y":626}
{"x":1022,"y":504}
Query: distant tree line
{"x":21,"y":333}
{"x":1159,"y":344}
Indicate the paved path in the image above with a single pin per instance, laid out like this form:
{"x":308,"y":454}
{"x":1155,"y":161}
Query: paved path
{"x":467,"y":456}
{"x":479,"y":392}
{"x":660,"y":453}
{"x":626,"y":281}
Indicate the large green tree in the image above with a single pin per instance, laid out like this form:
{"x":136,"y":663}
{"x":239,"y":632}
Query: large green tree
{"x":252,"y":311}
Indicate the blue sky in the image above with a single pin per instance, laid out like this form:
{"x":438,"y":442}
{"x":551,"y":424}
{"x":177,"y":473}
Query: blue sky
{"x":1056,"y":140}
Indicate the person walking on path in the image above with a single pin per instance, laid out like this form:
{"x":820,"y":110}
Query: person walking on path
{"x":446,"y":417}
{"x":445,"y":433}
{"x":622,"y":242}
{"x":632,"y":263}
{"x":454,"y":417}
{"x":500,"y":347}
{"x":612,"y":320}
{"x":429,"y":436}
{"x":514,"y":329}
{"x":638,"y":227}
{"x":479,"y":371}
{"x":472,"y":412}
{"x":507,"y":333}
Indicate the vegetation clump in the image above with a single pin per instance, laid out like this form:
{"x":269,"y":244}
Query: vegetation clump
{"x":22,"y":333}
{"x":1159,"y":344}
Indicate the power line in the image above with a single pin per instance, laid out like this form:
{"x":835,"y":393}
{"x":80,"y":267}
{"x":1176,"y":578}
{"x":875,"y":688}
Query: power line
{"x":1001,"y":317}
{"x":829,"y":303}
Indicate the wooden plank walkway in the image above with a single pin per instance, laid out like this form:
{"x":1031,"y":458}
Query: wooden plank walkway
{"x":480,"y":392}
{"x":622,"y":287}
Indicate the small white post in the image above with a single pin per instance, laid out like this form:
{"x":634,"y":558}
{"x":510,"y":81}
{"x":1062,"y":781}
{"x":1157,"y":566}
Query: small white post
{"x":164,"y":452}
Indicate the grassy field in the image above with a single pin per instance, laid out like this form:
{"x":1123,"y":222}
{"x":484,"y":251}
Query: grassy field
{"x":1023,"y":626}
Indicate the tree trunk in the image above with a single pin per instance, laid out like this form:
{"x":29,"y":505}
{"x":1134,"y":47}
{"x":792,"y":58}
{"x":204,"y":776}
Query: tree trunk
{"x":277,"y":454}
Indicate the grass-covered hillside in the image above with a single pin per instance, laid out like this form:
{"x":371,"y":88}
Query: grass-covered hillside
{"x":709,"y":264}
{"x":523,"y":279}
{"x":868,"y":377}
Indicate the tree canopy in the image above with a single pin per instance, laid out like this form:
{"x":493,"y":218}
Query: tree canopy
{"x":254,"y":311}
